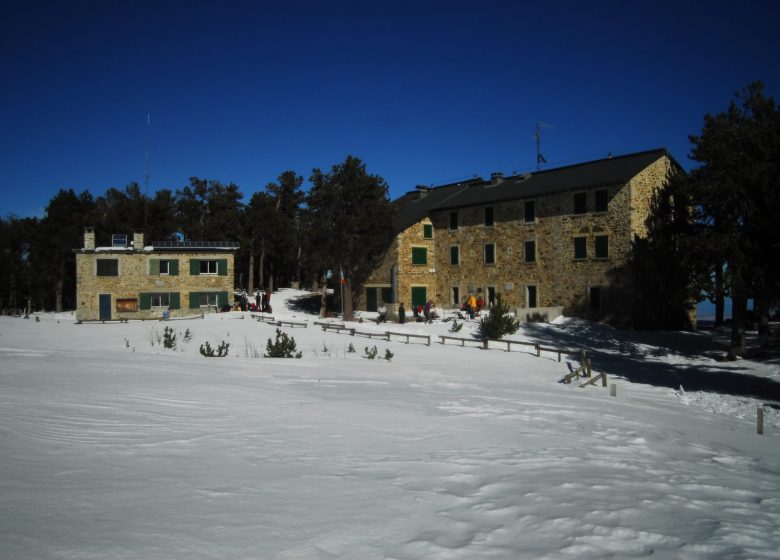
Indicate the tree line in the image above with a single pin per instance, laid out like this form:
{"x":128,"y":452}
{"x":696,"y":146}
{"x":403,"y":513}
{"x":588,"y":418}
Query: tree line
{"x":344,"y":222}
{"x":714,"y":231}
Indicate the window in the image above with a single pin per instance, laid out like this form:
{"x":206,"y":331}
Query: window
{"x":529,"y":253}
{"x":580,"y":203}
{"x":602,"y":246}
{"x":580,"y":248}
{"x":529,"y":211}
{"x":594,"y":296}
{"x":489,"y":219}
{"x":119,"y":240}
{"x":530,"y":296}
{"x":108,"y":267}
{"x":427,"y":231}
{"x":455,"y":254}
{"x":160,"y":300}
{"x":453,"y":220}
{"x":419,"y":255}
{"x":601,"y":203}
{"x":208,"y":267}
{"x":198,"y":266}
{"x":207,"y":299}
{"x":165,"y":267}
{"x":491,"y":298}
{"x":455,"y":296}
{"x":490,"y":253}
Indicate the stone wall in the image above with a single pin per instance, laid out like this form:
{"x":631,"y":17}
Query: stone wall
{"x":136,"y":277}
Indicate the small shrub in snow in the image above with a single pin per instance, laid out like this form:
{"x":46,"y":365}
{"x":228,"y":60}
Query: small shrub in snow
{"x":388,"y":354}
{"x":187,"y":337}
{"x":499,"y":322}
{"x":351,"y":348}
{"x":209,"y":352}
{"x":154,"y":337}
{"x":371,"y":352}
{"x":456,"y":326}
{"x":169,"y":338}
{"x":283,"y":347}
{"x":250,"y":350}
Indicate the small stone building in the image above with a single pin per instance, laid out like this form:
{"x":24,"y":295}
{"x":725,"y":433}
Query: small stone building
{"x":138,"y":281}
{"x":548,"y":242}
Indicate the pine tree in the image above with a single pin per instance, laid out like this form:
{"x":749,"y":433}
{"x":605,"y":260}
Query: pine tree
{"x":350,"y":223}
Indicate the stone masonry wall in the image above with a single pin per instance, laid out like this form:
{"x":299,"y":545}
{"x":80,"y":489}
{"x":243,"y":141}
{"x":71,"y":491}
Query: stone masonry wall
{"x":135,"y":278}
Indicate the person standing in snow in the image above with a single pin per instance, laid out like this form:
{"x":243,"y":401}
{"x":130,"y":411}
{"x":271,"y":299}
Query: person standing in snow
{"x":401,"y":313}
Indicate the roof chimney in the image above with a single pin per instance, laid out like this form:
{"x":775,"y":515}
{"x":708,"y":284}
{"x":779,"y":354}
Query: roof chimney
{"x":422,"y":190}
{"x":89,"y":238}
{"x":496,"y":178}
{"x":138,"y":241}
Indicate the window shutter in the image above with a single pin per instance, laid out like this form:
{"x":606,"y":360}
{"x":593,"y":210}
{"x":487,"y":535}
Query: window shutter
{"x":173,"y":267}
{"x":222,"y":297}
{"x":194,"y":299}
{"x":222,"y":267}
{"x":145,"y":301}
{"x":154,"y":267}
{"x":194,"y":267}
{"x":174,"y":301}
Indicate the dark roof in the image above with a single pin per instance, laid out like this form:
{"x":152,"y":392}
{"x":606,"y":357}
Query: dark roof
{"x":608,"y":171}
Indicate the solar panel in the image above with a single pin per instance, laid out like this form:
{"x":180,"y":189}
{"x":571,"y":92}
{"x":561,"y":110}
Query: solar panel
{"x":189,"y":244}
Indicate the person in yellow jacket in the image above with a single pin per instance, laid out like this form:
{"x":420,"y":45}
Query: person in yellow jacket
{"x":471,"y":303}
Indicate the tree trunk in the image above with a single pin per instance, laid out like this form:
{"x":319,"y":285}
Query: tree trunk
{"x":762,"y":310}
{"x":261,"y":265}
{"x":349,"y":314}
{"x":251,"y":287}
{"x":271,"y":276}
{"x":738,"y":313}
{"x":719,"y":298}
{"x":324,"y":298}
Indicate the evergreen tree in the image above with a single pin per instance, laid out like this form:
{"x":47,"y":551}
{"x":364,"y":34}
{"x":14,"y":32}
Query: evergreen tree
{"x":350,"y":224}
{"x":736,"y":198}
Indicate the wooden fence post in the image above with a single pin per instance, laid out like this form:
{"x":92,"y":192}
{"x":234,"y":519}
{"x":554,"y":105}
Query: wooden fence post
{"x":760,"y":420}
{"x":613,"y":390}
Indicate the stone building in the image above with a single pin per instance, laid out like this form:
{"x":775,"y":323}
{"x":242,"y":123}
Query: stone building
{"x":136,"y":281}
{"x":549,"y":242}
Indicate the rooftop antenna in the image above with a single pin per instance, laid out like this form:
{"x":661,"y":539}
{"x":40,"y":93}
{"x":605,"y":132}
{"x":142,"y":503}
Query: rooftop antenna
{"x":538,"y":135}
{"x":146,"y":167}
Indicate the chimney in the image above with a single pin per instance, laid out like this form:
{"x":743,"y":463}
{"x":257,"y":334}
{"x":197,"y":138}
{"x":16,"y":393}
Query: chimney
{"x":89,"y":238}
{"x":496,"y":178}
{"x":138,"y":241}
{"x":422,"y":191}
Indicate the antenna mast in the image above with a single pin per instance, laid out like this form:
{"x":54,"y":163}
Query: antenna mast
{"x":539,"y":157}
{"x":146,"y":168}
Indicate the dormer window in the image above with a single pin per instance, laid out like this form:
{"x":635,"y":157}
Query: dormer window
{"x":119,"y":240}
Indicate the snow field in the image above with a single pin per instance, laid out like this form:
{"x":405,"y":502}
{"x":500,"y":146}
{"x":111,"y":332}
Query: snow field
{"x":113,"y":448}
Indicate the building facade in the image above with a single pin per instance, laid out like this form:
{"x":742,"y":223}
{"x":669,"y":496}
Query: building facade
{"x":136,"y":281}
{"x":548,"y":242}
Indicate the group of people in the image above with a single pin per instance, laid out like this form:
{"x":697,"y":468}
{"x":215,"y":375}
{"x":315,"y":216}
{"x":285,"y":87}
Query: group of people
{"x":422,"y":312}
{"x":471,"y":306}
{"x":261,"y":303}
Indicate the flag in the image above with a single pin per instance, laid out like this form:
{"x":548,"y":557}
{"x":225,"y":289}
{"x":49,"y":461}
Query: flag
{"x":343,"y":280}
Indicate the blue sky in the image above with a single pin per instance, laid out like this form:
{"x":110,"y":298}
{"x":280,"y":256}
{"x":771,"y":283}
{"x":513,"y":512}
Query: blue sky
{"x":423,"y":92}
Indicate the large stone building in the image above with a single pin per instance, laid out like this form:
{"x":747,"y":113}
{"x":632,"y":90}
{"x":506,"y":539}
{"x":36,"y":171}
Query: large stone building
{"x":548,"y":242}
{"x":136,"y":281}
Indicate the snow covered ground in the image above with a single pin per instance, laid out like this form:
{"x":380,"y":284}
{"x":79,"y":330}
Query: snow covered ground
{"x":112,"y":446}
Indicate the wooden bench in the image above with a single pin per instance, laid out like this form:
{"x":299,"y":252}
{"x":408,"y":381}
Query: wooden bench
{"x":409,"y":336}
{"x":384,"y":335}
{"x":281,"y":323}
{"x":264,"y":318}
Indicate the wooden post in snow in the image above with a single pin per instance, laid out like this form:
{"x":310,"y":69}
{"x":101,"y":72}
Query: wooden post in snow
{"x":613,"y":390}
{"x":760,"y":420}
